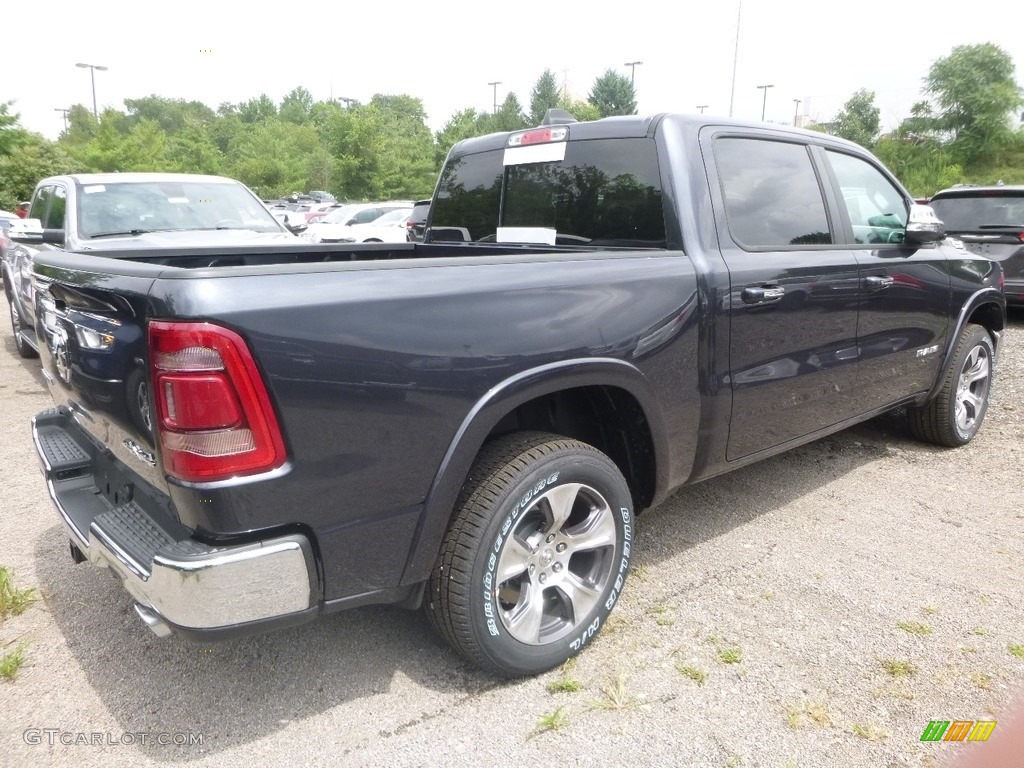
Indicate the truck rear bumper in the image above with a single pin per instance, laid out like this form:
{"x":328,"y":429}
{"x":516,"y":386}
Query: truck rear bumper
{"x":180,"y":584}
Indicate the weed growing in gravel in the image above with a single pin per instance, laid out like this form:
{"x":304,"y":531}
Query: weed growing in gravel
{"x":1017,"y":649}
{"x":13,"y":601}
{"x":898,"y":667}
{"x":663,"y":616}
{"x":871,"y":732}
{"x":698,"y":676}
{"x":551,"y":722}
{"x":565,"y":685}
{"x":979,"y":631}
{"x":11,"y":662}
{"x":929,"y":610}
{"x":638,"y":573}
{"x":615,"y":695}
{"x":733,"y":655}
{"x":808,"y":712}
{"x":914,"y":627}
{"x":982,"y":680}
{"x":968,"y":649}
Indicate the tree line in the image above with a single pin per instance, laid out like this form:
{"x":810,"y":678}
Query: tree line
{"x":383,"y":149}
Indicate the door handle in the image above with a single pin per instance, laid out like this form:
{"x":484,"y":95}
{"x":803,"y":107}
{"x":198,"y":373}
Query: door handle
{"x":877,"y":282}
{"x":763,"y":294}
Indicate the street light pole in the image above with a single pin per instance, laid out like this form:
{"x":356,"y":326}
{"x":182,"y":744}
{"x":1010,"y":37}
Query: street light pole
{"x":495,"y":85}
{"x":735,"y":57}
{"x":348,"y":101}
{"x":764,"y":100}
{"x":632,"y":70}
{"x":796,"y":111}
{"x":702,"y":107}
{"x":92,"y":73}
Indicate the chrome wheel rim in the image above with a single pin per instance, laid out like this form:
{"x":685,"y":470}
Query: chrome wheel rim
{"x":555,"y":564}
{"x":142,"y":402}
{"x":972,"y":389}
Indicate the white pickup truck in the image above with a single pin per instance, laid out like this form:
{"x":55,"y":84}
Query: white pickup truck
{"x":128,"y":211}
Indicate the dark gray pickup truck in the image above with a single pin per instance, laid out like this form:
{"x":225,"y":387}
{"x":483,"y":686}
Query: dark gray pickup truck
{"x":599,"y":313}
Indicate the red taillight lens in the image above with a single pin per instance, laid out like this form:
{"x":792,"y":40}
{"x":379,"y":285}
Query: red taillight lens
{"x":1020,"y":236}
{"x":215,"y":417}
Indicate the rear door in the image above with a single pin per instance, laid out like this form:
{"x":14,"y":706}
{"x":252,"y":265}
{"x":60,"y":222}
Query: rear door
{"x":794,"y":291}
{"x":905,"y":305}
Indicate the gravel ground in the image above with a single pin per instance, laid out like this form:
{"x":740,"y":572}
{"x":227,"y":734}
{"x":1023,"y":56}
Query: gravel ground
{"x":816,"y":609}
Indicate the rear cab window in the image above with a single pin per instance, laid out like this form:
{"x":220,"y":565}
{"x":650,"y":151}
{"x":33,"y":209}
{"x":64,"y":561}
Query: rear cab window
{"x":599,"y":192}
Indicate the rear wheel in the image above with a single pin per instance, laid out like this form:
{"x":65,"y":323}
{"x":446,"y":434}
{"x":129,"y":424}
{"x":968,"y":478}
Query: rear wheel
{"x":535,"y":556}
{"x":954,"y":417}
{"x":23,"y":347}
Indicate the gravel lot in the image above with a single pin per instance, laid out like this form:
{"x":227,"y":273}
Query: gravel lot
{"x":817,"y":609}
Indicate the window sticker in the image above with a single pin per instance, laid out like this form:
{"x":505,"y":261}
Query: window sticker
{"x":94,"y":188}
{"x":543,"y":235}
{"x":535,"y":153}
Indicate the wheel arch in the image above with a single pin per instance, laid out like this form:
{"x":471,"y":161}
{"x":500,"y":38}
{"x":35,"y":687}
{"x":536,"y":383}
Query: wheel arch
{"x":986,"y":308}
{"x":636,"y":440}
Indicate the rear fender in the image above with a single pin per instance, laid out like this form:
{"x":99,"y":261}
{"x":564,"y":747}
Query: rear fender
{"x":498,"y":402}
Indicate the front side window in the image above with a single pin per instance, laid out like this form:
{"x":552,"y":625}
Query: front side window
{"x":604,"y":192}
{"x":772,"y":195}
{"x":58,"y":205}
{"x":40,"y":204}
{"x":877,"y":210}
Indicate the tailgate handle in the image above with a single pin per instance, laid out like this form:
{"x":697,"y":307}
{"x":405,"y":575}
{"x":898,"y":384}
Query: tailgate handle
{"x":764,"y":294}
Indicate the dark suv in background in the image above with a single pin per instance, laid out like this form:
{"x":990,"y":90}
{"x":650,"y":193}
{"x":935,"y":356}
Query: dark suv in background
{"x":990,"y":222}
{"x":417,"y":222}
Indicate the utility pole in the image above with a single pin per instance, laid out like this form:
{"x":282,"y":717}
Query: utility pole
{"x":64,"y":111}
{"x":92,"y":72}
{"x":702,"y":107}
{"x":348,"y":101}
{"x":764,"y":100}
{"x":796,"y":111}
{"x":495,"y":85}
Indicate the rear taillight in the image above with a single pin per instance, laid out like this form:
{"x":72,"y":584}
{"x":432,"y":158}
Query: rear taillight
{"x":1020,"y":236}
{"x":213,"y":413}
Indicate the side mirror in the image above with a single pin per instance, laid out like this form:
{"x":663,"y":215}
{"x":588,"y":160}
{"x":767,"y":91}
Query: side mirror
{"x":26,"y":231}
{"x":923,"y":226}
{"x":54,"y":236}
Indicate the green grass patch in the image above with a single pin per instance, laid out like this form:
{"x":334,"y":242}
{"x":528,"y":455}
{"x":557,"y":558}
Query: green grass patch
{"x":731,"y":655}
{"x":915,"y":627}
{"x":552,"y":721}
{"x":698,"y":676}
{"x":898,"y":668}
{"x":565,"y":685}
{"x":11,"y":662}
{"x":13,"y":601}
{"x":1017,"y":649}
{"x":870,"y":731}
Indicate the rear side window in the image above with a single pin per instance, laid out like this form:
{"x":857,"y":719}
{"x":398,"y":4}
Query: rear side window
{"x":604,"y":192}
{"x":772,"y":195}
{"x":989,"y":210}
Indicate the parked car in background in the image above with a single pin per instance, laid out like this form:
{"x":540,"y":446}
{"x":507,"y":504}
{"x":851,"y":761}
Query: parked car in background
{"x":333,"y":227}
{"x":990,"y":222}
{"x":417,"y":221}
{"x":7,"y":218}
{"x":322,"y":197}
{"x":389,"y":228}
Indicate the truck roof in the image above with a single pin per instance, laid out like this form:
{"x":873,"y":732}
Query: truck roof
{"x":638,"y":126}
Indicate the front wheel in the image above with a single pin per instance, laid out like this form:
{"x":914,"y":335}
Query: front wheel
{"x":535,"y":556}
{"x":954,"y":417}
{"x":23,"y":347}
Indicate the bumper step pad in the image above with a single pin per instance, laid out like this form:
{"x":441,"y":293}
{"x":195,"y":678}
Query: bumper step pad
{"x":131,"y":531}
{"x":62,"y":454}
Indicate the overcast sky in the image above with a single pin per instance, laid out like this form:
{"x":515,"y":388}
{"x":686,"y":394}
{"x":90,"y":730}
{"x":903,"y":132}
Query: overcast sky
{"x":447,"y":51}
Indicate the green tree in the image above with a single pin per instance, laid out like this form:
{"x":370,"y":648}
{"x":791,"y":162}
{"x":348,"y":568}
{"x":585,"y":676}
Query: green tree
{"x":258,"y":110}
{"x":172,"y":115}
{"x":297,"y":106}
{"x":11,"y":132}
{"x":273,"y":155}
{"x":581,"y":109}
{"x":858,"y":120}
{"x":509,"y":117}
{"x":461,"y":125}
{"x":544,"y":96}
{"x":613,"y":94}
{"x":975,"y":92}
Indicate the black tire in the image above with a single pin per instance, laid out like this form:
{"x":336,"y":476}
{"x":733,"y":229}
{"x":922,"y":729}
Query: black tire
{"x":955,"y":415}
{"x":556,"y":516}
{"x":137,"y":397}
{"x":23,"y":347}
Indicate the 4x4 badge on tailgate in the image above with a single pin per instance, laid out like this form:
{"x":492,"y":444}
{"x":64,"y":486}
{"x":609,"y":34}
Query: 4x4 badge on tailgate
{"x":139,"y":452}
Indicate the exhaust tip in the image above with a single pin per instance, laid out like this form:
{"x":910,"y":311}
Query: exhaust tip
{"x":76,"y":554}
{"x":153,"y":621}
